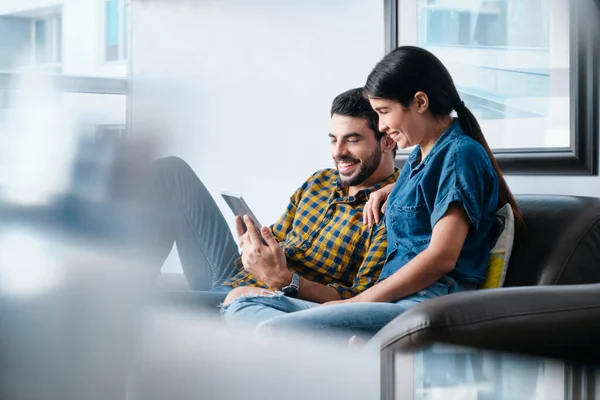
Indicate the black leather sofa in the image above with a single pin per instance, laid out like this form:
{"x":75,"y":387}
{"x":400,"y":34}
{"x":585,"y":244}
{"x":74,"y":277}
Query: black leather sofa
{"x":549,"y":305}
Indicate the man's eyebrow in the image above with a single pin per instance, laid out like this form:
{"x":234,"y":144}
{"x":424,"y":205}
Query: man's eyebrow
{"x":347,"y":135}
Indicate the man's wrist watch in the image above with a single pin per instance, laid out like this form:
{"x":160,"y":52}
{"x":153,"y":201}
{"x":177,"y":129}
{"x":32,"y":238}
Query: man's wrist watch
{"x":293,"y":288}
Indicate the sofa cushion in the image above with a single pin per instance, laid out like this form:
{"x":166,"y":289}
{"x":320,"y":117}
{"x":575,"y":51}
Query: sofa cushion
{"x":500,"y":253}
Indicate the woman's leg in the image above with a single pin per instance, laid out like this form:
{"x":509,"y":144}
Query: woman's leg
{"x":360,"y":319}
{"x":341,"y":321}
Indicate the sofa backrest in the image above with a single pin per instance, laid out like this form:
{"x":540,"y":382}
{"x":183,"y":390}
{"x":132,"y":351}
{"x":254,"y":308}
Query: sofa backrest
{"x":560,"y":244}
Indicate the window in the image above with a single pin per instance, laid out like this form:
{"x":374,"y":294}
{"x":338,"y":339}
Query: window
{"x":46,"y":40}
{"x":116,"y":30}
{"x":513,"y":64}
{"x":51,"y":68}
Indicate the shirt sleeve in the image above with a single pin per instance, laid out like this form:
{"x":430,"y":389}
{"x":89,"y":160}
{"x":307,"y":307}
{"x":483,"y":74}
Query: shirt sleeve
{"x":467,"y":178}
{"x":371,"y":266}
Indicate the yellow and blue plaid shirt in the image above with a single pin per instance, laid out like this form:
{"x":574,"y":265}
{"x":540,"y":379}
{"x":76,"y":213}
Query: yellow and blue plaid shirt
{"x":324,"y":238}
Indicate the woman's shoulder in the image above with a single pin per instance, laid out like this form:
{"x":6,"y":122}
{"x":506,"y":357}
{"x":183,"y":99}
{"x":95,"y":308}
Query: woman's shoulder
{"x":463,"y":156}
{"x":467,"y":151}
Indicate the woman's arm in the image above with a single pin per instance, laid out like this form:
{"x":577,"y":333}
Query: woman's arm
{"x":375,"y":206}
{"x":430,"y":265}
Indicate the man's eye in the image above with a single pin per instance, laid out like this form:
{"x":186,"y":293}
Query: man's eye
{"x":353,"y":140}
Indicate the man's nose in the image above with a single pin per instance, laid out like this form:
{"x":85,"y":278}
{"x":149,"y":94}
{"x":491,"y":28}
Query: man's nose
{"x":340,"y":150}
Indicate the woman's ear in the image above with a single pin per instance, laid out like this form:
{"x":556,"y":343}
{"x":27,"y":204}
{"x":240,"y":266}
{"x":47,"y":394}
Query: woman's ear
{"x":421,"y":102}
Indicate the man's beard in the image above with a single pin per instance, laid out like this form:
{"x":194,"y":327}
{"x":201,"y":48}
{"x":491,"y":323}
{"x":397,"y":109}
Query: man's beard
{"x":366,"y":169}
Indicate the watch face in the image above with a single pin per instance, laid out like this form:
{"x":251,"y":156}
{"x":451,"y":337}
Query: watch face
{"x":290,"y":291}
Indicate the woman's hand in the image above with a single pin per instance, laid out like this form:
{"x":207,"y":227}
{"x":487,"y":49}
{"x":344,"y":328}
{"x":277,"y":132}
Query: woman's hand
{"x":361,"y":298}
{"x":375,"y":206}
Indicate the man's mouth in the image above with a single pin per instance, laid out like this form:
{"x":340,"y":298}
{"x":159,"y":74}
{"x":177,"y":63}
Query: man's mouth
{"x":346,"y":167}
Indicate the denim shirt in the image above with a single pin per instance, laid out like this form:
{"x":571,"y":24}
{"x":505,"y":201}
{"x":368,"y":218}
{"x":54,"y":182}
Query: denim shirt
{"x":456,"y":170}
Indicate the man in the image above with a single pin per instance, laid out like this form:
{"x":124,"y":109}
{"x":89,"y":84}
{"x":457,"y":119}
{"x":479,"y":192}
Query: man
{"x":319,"y":250}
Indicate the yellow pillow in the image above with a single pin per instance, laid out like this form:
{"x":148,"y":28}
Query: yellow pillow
{"x":500,"y":254}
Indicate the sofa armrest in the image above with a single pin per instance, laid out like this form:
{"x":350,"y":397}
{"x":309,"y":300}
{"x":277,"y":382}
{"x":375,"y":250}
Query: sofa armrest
{"x":548,"y":321}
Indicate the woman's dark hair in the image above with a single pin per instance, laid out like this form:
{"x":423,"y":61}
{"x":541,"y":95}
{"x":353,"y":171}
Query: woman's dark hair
{"x":407,"y":70}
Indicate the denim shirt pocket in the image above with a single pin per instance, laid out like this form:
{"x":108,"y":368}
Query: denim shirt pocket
{"x":413,"y":221}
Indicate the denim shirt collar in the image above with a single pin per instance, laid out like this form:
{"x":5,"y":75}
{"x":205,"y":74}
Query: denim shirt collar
{"x":413,"y":159}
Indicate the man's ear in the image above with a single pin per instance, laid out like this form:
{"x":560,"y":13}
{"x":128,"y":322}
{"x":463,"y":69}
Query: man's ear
{"x":387,"y":143}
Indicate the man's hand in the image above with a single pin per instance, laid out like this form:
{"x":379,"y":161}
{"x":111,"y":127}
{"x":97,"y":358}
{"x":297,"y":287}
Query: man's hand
{"x":265,"y":261}
{"x":375,"y":206}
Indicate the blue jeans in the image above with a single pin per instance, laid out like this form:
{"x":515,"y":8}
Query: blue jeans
{"x":279,"y":313}
{"x":188,"y":216}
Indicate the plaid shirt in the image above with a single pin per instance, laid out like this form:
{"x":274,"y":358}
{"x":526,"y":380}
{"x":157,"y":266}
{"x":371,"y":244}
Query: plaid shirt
{"x":324,"y":238}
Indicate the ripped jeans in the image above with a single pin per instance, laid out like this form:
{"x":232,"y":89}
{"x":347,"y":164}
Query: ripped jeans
{"x":276,"y":312}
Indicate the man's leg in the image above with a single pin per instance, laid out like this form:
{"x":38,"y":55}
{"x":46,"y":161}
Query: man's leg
{"x":250,"y":310}
{"x":190,"y":218}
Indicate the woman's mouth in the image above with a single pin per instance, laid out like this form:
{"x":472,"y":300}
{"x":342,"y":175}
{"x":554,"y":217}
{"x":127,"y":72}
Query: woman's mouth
{"x":394,"y":135}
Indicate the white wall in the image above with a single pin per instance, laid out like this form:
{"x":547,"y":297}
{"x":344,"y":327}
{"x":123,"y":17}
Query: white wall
{"x":242,"y":89}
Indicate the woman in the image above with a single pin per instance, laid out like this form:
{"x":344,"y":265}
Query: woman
{"x":440,"y":213}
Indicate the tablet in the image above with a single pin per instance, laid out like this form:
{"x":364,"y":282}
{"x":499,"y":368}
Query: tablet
{"x":239,"y":207}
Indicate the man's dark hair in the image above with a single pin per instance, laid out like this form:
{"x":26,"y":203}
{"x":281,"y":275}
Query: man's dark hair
{"x":353,"y":103}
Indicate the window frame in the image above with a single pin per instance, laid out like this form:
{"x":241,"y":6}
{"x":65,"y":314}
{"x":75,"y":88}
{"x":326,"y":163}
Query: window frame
{"x":581,"y":157}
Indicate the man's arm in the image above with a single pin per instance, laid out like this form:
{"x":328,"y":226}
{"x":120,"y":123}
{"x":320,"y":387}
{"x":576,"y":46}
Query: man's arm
{"x":373,"y":261}
{"x":268,"y":263}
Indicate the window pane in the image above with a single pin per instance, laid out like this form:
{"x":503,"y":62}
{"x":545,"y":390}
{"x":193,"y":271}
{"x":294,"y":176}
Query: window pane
{"x":125,"y":33}
{"x":41,"y":45}
{"x":510,"y":61}
{"x":58,"y":33}
{"x":78,"y":38}
{"x":112,"y":30}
